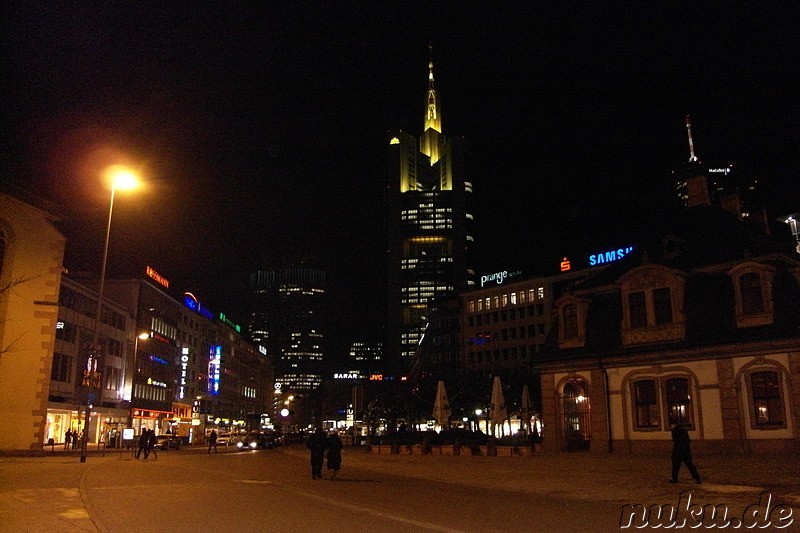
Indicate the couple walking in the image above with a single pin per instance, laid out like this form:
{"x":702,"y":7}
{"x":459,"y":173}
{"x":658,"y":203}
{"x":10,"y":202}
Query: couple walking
{"x":318,"y":443}
{"x":147,"y":444}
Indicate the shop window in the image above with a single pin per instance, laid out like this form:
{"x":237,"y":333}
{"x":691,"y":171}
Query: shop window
{"x":679,"y":401}
{"x":646,"y":404}
{"x":765,"y":389}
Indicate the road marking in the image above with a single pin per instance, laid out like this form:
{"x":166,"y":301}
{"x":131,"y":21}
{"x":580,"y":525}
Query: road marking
{"x":373,"y":512}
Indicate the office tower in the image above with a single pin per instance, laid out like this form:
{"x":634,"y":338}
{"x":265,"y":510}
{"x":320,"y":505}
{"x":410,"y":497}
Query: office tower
{"x":287,"y":318}
{"x":428,"y":229}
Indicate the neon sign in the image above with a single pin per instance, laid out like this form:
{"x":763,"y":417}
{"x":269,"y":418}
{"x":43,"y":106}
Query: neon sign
{"x":184,"y":366}
{"x":161,"y":280}
{"x":214,"y":364}
{"x":225,"y":320}
{"x":191,"y":301}
{"x":498,"y":277}
{"x":607,"y":257}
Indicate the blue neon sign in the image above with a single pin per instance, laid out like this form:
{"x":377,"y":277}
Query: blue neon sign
{"x":214,"y":370}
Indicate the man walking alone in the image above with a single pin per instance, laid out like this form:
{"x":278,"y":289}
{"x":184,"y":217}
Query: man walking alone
{"x":682,"y":453}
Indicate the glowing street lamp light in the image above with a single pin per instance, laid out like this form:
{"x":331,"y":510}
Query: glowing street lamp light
{"x":121,"y":178}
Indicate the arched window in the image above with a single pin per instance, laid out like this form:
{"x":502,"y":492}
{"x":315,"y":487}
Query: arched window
{"x":646,"y":404}
{"x":577,"y":416}
{"x":765,"y":390}
{"x":679,"y":401}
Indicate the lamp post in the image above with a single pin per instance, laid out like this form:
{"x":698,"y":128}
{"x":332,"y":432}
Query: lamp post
{"x":121,"y":178}
{"x":793,"y":221}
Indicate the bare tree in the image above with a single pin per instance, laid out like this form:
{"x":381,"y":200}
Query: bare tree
{"x":4,"y":289}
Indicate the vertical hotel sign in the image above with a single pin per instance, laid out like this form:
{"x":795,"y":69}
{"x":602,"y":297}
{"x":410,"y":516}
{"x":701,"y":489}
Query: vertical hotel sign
{"x":214,"y":364}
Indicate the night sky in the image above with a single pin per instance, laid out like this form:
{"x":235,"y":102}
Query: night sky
{"x":261,"y":131}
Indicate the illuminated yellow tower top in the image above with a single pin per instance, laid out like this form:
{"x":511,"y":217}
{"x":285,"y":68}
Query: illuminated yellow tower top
{"x":431,"y":140}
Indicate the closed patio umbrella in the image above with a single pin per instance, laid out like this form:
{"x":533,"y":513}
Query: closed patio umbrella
{"x":441,"y":407}
{"x":499,"y":413}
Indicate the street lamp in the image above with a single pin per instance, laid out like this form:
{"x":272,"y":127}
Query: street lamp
{"x":793,"y":221}
{"x":121,"y":178}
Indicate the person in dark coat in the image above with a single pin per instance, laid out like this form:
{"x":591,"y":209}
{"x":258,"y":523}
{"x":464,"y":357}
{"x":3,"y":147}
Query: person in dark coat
{"x":317,"y":443}
{"x":151,"y":444}
{"x":334,"y":453}
{"x":682,"y":453}
{"x":212,"y":441}
{"x":67,"y":439}
{"x":142,"y":444}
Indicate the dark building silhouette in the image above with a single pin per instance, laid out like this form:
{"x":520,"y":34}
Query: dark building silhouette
{"x":287,"y":318}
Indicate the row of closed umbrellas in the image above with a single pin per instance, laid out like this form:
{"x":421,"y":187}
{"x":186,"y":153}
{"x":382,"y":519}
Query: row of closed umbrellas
{"x":498,"y":413}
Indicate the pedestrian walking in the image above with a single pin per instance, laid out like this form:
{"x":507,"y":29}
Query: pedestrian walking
{"x":682,"y":453}
{"x":142,"y":444}
{"x":67,"y":439}
{"x":151,"y":444}
{"x":212,"y":441}
{"x":334,"y":453}
{"x":317,"y":443}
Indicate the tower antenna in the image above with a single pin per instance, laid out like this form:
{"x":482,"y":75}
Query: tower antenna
{"x":692,"y":157}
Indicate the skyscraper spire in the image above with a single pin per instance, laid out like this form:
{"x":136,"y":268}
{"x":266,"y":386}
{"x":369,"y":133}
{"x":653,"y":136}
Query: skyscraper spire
{"x":432,"y":118}
{"x":432,"y":138}
{"x":692,"y":157}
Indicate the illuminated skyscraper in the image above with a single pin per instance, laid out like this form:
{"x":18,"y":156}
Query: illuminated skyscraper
{"x":287,"y":318}
{"x":428,"y":229}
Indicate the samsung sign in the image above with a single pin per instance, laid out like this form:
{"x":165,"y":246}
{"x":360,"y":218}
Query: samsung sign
{"x":607,"y":257}
{"x":498,"y":277}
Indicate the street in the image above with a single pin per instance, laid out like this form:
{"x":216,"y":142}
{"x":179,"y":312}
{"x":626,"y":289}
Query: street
{"x":272,"y":490}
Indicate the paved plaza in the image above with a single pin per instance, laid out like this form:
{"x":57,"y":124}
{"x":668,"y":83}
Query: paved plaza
{"x":49,"y":493}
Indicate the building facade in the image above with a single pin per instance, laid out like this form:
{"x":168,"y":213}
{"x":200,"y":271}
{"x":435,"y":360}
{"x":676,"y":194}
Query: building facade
{"x":31,"y":258}
{"x":699,"y":326}
{"x":429,"y":232}
{"x":73,"y":368}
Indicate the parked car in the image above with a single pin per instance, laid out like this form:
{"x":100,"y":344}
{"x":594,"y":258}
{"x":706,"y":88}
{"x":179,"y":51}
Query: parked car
{"x":248,"y":442}
{"x":226,"y":439}
{"x":164,"y":442}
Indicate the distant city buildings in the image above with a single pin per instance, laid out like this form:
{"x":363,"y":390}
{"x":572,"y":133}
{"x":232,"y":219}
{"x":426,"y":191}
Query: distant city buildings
{"x":366,"y":358}
{"x":164,"y":362}
{"x":429,"y":233}
{"x":288,"y":318}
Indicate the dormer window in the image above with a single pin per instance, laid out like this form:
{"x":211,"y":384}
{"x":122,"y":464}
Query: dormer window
{"x":572,"y":321}
{"x":570,"y":315}
{"x":752,"y":287}
{"x":752,"y":295}
{"x":662,"y":306}
{"x":637,"y":307}
{"x":652,"y":305}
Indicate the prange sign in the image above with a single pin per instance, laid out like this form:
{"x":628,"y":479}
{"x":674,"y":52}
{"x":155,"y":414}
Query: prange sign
{"x":498,"y":277}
